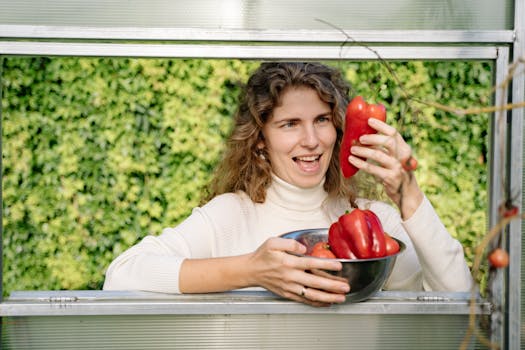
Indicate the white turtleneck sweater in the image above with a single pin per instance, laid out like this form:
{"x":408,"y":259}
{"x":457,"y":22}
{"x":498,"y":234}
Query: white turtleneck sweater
{"x":231,"y":224}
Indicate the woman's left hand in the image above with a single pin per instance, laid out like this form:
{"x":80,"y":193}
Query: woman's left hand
{"x":298,"y":278}
{"x":388,"y":151}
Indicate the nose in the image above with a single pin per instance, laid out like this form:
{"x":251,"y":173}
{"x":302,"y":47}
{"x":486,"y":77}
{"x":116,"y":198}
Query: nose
{"x":310,"y":138}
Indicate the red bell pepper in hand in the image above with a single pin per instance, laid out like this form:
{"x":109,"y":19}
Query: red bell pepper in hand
{"x":354,"y":226}
{"x":356,"y":124}
{"x":377,"y":234}
{"x":338,"y":244}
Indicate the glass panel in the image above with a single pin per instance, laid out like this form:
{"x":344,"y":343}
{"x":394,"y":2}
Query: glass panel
{"x":279,"y":332}
{"x":264,"y":14}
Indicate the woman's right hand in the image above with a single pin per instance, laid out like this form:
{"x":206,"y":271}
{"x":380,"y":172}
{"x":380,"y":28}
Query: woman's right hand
{"x":294,"y":277}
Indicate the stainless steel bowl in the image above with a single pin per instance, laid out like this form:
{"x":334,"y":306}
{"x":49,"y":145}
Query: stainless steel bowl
{"x":365,"y":276}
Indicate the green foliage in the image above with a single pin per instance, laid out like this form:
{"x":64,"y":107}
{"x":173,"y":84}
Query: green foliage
{"x":97,"y":152}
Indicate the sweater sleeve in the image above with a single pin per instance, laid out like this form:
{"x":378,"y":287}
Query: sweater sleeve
{"x":441,"y":256}
{"x":154,"y":263}
{"x":433,"y":260}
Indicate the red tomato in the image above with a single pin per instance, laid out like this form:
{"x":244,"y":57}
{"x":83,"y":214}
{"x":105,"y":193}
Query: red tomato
{"x":322,"y":250}
{"x":409,"y":164}
{"x":499,"y":258}
{"x":392,"y":246}
{"x":508,"y":209}
{"x":510,"y":212}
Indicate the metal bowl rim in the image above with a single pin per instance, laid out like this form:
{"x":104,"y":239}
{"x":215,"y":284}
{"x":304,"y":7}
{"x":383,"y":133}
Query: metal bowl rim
{"x":402,"y":247}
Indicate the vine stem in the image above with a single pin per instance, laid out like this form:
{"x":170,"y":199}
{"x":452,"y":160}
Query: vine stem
{"x":496,"y":229}
{"x":455,"y":110}
{"x":465,"y":111}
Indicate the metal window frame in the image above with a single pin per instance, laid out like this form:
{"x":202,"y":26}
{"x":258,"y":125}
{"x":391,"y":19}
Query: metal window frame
{"x":503,"y":47}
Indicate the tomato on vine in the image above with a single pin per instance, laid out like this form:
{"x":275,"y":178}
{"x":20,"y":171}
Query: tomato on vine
{"x":508,"y":209}
{"x":499,"y":258}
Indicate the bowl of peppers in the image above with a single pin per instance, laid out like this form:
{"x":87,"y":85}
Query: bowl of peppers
{"x":358,"y":241}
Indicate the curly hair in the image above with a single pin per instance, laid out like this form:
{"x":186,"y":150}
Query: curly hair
{"x":244,"y":167}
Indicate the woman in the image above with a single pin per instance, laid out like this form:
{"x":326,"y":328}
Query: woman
{"x":281,"y":173}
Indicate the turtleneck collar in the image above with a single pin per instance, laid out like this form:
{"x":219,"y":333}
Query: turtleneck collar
{"x":293,"y":197}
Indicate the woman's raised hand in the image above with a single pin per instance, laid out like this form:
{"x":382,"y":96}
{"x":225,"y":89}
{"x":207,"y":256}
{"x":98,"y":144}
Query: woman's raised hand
{"x":391,"y":158}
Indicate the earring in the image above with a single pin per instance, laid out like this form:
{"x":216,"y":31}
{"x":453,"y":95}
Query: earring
{"x":260,"y":154}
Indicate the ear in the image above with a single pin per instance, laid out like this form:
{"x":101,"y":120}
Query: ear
{"x":260,"y":145}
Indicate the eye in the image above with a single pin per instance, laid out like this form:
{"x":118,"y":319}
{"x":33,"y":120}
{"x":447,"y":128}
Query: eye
{"x":323,"y":119}
{"x":288,"y":124}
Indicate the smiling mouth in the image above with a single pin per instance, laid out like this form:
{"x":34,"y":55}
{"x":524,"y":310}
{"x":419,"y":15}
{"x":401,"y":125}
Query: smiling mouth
{"x":307,"y":158}
{"x":308,"y":164}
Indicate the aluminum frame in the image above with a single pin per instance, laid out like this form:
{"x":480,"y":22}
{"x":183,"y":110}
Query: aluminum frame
{"x":77,"y":303}
{"x":232,"y":35}
{"x":233,"y":320}
{"x":498,"y":191}
{"x":310,"y":52}
{"x":514,"y":292}
{"x":332,"y":44}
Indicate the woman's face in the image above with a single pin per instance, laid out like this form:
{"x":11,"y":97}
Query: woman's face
{"x":299,"y":137}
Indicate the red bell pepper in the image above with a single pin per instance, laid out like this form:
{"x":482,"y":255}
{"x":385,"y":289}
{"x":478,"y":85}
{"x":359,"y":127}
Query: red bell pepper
{"x":338,"y":244}
{"x":356,"y":124}
{"x":356,"y":232}
{"x":359,"y":234}
{"x":377,"y":234}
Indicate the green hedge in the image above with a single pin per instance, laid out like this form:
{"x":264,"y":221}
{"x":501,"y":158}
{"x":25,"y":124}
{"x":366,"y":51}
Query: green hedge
{"x":99,"y":152}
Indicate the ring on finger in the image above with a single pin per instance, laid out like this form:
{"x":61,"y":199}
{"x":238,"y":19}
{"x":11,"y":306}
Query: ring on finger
{"x":303,"y":292}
